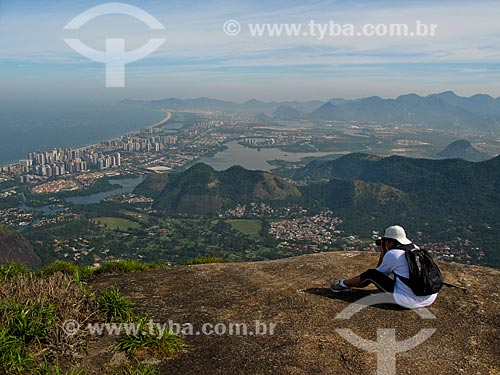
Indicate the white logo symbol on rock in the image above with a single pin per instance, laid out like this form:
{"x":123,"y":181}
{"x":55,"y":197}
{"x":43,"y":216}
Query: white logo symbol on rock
{"x":386,"y":347}
{"x":115,"y":56}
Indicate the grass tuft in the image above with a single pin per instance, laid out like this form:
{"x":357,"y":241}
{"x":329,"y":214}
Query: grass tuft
{"x":114,"y":306}
{"x":159,"y":344}
{"x":47,"y":369}
{"x":139,"y":369}
{"x":206,"y":260}
{"x":29,"y":320}
{"x":14,"y":358}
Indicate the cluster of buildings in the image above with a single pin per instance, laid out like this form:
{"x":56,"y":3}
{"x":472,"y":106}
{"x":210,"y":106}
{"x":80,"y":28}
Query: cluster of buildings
{"x":16,"y":217}
{"x":60,"y":217}
{"x":462,"y":251}
{"x":59,"y":162}
{"x":320,"y":229}
{"x":55,"y":186}
{"x":4,"y":177}
{"x":251,"y":210}
{"x":88,"y":179}
{"x":74,"y":249}
{"x":8,"y":193}
{"x":130,"y":198}
{"x":259,"y":142}
{"x":273,"y":137}
{"x":156,"y":143}
{"x":409,"y":142}
{"x":263,"y":210}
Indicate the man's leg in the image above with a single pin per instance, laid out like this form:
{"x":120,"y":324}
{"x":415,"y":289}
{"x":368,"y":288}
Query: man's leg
{"x":380,"y":280}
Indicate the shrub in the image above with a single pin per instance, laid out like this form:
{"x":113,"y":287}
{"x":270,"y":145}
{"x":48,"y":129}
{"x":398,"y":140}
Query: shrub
{"x":114,"y":306}
{"x":84,"y":272}
{"x":13,"y":269}
{"x":66,"y":268}
{"x":124,"y":266}
{"x":205,"y":260}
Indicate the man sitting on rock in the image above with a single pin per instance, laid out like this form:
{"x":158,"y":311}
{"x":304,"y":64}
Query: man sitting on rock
{"x":392,"y":261}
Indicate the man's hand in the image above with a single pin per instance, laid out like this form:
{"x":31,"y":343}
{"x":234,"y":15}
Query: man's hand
{"x":383,"y":250}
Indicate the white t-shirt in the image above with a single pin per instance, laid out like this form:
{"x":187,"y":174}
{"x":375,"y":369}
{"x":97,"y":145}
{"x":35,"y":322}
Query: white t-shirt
{"x":395,"y":262}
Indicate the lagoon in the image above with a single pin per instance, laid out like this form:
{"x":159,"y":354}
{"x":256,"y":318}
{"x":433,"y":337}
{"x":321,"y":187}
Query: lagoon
{"x":127,"y":186}
{"x":252,"y":158}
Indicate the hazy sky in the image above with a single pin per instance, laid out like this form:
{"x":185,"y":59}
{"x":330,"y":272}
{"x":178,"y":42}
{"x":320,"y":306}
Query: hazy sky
{"x":199,"y":59}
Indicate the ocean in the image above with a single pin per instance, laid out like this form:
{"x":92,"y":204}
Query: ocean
{"x":37,"y":127}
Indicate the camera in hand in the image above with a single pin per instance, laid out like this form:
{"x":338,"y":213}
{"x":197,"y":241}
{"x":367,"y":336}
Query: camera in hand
{"x":378,"y":242}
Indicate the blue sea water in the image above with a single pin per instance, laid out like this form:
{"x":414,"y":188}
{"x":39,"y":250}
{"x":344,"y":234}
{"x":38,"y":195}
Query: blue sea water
{"x":41,"y":127}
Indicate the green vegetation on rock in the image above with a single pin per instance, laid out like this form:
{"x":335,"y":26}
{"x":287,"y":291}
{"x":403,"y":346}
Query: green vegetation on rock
{"x":201,"y":190}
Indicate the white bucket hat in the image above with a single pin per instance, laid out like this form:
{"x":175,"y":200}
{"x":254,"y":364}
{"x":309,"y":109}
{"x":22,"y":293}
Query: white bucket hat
{"x":397,"y":233}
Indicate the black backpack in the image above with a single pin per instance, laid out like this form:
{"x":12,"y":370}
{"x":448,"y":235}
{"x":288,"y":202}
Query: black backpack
{"x":425,"y":276}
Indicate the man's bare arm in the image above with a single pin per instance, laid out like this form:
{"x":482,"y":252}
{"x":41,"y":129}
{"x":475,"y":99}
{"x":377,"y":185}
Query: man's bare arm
{"x":381,"y":258}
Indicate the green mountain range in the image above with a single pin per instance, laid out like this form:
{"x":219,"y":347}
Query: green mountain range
{"x":436,"y":188}
{"x":203,"y":190}
{"x":445,"y":199}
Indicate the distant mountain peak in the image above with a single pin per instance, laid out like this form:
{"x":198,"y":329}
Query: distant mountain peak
{"x":438,"y":111}
{"x":203,"y":190}
{"x":283,"y":107}
{"x":374,"y":97}
{"x":410,"y":95}
{"x":447,"y":93}
{"x":285,"y":112}
{"x":463,"y":149}
{"x":252,"y":101}
{"x":482,"y":96}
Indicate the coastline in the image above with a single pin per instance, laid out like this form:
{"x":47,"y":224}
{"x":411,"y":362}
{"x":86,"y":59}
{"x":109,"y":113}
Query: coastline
{"x":165,"y":120}
{"x":160,"y":123}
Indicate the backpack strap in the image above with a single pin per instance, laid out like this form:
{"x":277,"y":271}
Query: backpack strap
{"x":404,"y":280}
{"x":406,"y":248}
